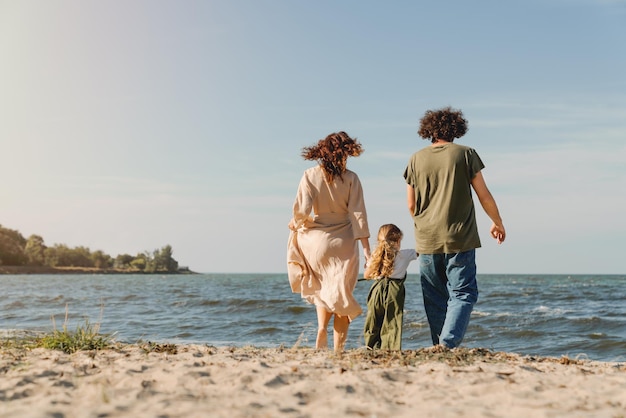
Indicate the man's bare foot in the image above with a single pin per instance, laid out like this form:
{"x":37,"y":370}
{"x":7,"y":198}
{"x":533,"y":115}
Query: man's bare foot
{"x":439,"y":348}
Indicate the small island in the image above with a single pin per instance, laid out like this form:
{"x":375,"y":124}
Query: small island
{"x":20,"y":255}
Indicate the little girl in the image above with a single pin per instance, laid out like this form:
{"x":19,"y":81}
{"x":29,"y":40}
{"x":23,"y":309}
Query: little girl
{"x":385,"y":301}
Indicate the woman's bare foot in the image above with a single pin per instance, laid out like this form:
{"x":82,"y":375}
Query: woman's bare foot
{"x":321,"y":343}
{"x":340,"y":342}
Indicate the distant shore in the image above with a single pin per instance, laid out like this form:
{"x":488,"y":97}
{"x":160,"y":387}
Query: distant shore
{"x":79,"y":270}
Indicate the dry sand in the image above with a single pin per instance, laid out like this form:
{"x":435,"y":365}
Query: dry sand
{"x":152,"y":380}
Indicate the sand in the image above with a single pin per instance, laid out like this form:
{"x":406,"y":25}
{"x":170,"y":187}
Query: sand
{"x":152,"y":380}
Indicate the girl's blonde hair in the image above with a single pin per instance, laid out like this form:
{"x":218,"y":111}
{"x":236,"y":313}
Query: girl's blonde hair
{"x":383,"y":257}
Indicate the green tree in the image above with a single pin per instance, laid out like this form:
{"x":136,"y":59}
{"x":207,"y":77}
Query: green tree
{"x":162,"y":260}
{"x":81,"y":257}
{"x":149,"y":265}
{"x":101,"y":260}
{"x":123,"y":261}
{"x":139,"y":263}
{"x":50,"y":257}
{"x":57,"y":255}
{"x":35,"y":250}
{"x":166,"y":259}
{"x":12,"y":245}
{"x":60,"y":255}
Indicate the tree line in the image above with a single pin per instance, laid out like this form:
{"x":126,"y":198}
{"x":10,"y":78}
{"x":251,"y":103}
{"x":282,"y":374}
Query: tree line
{"x":15,"y":250}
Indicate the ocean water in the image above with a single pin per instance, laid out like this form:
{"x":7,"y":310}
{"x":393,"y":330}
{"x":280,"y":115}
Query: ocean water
{"x":580,"y":316}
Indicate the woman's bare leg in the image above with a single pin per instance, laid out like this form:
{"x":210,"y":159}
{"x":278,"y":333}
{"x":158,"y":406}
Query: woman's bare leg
{"x":340,"y":332}
{"x":323,"y":318}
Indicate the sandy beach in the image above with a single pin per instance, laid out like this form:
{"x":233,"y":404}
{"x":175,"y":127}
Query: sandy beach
{"x":153,"y":380}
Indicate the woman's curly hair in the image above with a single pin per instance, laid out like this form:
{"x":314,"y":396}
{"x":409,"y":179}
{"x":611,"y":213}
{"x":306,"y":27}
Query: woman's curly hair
{"x":381,"y":262}
{"x":446,"y":123}
{"x":331,"y":153}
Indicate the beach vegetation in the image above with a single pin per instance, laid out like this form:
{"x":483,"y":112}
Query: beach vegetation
{"x":152,"y":347}
{"x":84,"y":337}
{"x":459,"y":356}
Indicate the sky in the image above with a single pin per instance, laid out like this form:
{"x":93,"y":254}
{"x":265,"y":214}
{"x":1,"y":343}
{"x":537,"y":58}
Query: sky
{"x":128,"y":125}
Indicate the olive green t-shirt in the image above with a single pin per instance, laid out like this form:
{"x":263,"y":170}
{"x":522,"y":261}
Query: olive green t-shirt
{"x":444,"y":217}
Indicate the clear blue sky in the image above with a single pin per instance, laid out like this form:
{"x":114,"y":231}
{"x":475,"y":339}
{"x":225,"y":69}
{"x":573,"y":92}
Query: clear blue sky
{"x":129,"y":125}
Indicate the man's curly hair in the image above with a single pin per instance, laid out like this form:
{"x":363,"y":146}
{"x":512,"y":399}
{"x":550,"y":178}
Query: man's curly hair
{"x":331,"y":153}
{"x":446,"y":123}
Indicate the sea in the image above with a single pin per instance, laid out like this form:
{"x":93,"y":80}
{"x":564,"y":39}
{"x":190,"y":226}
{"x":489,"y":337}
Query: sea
{"x":577,"y":316}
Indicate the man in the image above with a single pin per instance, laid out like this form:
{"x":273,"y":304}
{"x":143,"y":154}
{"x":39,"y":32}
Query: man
{"x":440,"y":179}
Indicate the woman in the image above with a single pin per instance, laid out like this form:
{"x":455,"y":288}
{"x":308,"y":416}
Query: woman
{"x":328,"y":219}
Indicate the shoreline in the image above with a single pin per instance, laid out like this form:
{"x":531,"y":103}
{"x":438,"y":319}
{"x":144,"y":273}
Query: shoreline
{"x":147,"y":380}
{"x":24,"y":270}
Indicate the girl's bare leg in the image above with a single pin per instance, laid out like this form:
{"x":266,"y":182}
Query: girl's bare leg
{"x":323,"y":318}
{"x":340,"y":332}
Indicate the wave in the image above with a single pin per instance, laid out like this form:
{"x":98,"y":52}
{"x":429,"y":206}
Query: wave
{"x":535,"y":315}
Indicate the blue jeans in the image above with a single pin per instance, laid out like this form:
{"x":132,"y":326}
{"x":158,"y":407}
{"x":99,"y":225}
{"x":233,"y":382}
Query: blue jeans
{"x":450,"y":292}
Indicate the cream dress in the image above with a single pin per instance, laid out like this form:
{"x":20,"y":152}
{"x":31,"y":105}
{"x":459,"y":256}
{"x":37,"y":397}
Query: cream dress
{"x":323,"y":253}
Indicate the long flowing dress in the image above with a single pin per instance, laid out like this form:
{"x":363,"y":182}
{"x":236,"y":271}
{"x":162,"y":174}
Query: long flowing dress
{"x":323,"y":253}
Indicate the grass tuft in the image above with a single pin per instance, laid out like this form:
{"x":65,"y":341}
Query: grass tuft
{"x":85,"y":337}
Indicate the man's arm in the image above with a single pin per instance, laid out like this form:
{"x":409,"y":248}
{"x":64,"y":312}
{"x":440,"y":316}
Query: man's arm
{"x":489,"y":205}
{"x":410,"y":198}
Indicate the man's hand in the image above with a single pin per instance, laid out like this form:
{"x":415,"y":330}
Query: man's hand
{"x":498,"y":233}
